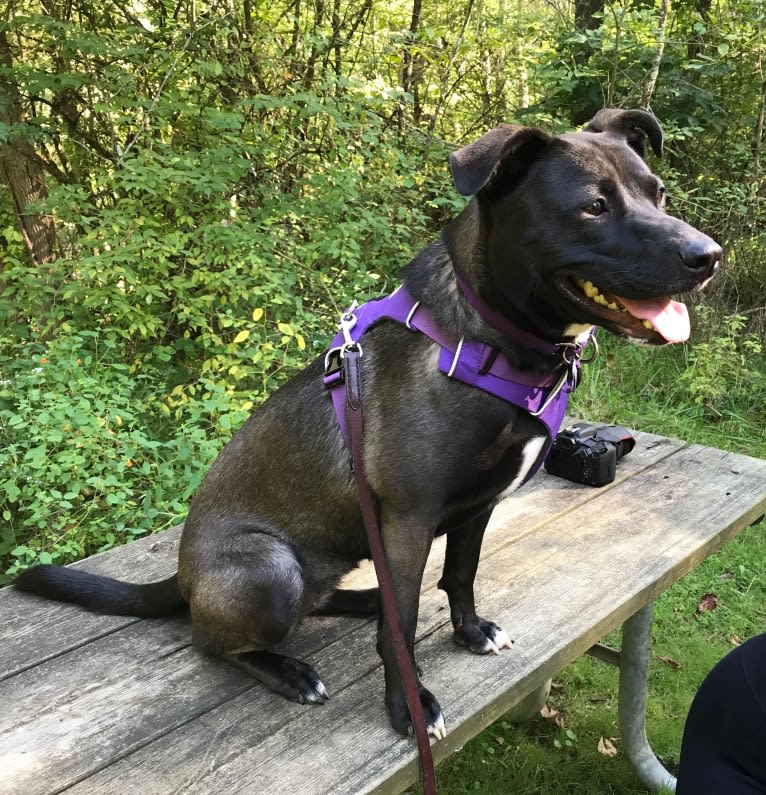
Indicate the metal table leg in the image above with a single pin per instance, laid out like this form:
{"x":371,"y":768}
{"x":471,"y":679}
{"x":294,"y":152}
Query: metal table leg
{"x":634,"y":677}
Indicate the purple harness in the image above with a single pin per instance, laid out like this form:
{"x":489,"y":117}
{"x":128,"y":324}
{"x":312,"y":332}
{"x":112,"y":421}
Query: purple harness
{"x":474,"y":363}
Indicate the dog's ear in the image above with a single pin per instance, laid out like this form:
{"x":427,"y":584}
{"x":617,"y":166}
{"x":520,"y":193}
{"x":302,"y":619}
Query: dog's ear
{"x":634,"y":125}
{"x":497,"y":159}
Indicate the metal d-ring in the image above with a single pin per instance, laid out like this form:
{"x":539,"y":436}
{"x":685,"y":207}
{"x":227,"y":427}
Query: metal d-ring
{"x":572,"y":352}
{"x":592,"y":342}
{"x":355,"y":347}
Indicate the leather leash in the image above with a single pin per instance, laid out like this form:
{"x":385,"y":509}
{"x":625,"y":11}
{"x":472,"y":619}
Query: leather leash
{"x":351,"y":356}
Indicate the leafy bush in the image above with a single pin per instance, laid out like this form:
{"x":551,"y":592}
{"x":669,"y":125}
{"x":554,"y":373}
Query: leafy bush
{"x":719,"y":371}
{"x":85,"y":461}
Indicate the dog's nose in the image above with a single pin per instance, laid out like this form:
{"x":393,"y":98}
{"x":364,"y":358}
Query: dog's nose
{"x":701,"y":255}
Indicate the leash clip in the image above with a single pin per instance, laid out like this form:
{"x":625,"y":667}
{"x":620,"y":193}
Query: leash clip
{"x":333,"y":360}
{"x":347,"y":322}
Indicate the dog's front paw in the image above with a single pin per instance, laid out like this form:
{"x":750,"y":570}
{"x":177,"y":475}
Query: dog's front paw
{"x":432,"y":712}
{"x":482,"y":637}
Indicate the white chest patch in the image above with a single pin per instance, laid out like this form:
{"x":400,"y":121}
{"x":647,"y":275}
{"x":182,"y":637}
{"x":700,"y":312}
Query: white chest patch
{"x":580,"y":332}
{"x":529,"y":454}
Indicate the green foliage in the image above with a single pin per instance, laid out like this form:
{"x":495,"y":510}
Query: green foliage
{"x":202,"y":264}
{"x":86,"y":461}
{"x":720,"y":371}
{"x":712,"y":392}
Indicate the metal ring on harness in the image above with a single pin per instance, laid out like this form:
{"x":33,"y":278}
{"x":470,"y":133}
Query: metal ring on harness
{"x":572,"y":352}
{"x":592,"y":341}
{"x":350,"y":346}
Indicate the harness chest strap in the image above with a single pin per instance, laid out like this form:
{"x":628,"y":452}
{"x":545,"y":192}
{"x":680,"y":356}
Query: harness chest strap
{"x":471,"y":362}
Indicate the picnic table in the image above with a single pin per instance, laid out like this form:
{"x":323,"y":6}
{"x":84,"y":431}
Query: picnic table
{"x":101,"y":704}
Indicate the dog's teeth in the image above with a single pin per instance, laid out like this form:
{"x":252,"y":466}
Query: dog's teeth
{"x":590,"y":289}
{"x":648,"y":325}
{"x":593,"y":292}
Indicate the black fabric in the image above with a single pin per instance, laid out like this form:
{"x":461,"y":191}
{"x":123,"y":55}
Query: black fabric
{"x":724,"y":744}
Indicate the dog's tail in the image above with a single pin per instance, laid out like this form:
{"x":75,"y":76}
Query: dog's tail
{"x":101,"y":594}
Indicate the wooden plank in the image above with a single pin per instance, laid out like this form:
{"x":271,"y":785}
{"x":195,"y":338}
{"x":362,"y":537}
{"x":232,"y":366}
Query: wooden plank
{"x":557,"y":591}
{"x":35,"y":630}
{"x":77,"y":713}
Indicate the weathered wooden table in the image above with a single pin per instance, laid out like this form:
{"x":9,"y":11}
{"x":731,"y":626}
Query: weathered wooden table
{"x":98,"y":704}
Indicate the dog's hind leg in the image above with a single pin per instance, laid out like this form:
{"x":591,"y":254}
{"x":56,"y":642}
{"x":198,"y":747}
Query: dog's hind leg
{"x":461,"y":559}
{"x":363,"y":602}
{"x":295,"y":680}
{"x":247,"y":598}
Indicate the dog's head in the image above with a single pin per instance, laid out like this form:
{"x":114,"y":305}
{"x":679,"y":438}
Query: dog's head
{"x":575,"y":228}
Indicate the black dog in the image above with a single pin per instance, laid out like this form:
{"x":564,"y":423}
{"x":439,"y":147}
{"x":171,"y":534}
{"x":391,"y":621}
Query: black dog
{"x":563,"y":232}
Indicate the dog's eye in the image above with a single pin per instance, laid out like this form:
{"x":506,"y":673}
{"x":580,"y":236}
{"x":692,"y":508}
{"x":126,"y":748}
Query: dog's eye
{"x":596,"y":207}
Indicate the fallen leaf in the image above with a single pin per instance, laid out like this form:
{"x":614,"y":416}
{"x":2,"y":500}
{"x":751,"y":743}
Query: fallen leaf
{"x":727,"y":576}
{"x":606,"y":747}
{"x":709,"y":601}
{"x":735,"y":640}
{"x":557,"y":686}
{"x":669,"y":661}
{"x":548,"y":712}
{"x":551,"y":714}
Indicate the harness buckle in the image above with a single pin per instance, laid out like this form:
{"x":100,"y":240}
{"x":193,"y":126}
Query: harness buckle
{"x":333,"y":367}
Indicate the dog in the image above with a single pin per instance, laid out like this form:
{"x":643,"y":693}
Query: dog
{"x":562,"y":233}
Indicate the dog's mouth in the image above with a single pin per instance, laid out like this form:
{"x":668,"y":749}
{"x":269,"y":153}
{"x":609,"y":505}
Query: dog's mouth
{"x":656,"y":320}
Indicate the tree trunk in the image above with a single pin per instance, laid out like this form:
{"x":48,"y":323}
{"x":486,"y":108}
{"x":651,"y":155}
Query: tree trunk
{"x":23,"y":173}
{"x":646,"y":96}
{"x":696,"y":41}
{"x":585,"y":14}
{"x":586,"y":19}
{"x":409,"y":82}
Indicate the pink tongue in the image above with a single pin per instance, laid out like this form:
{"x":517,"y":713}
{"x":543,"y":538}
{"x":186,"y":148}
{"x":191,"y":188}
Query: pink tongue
{"x":670,"y":318}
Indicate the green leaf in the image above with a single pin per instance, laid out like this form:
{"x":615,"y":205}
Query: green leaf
{"x":12,"y":491}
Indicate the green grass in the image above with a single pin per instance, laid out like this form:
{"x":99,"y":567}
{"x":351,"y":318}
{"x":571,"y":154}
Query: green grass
{"x":663,"y":392}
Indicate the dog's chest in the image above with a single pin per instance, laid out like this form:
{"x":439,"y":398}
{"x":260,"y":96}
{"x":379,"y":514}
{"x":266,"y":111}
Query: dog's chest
{"x":524,"y":459}
{"x":508,"y":461}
